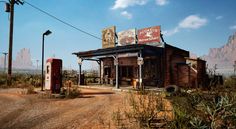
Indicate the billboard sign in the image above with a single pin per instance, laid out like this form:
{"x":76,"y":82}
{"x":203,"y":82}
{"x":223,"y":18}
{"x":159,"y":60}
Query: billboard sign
{"x":149,"y":35}
{"x":108,"y":37}
{"x":127,"y":37}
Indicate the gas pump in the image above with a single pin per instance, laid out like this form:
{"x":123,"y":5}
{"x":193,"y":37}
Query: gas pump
{"x":53,"y":75}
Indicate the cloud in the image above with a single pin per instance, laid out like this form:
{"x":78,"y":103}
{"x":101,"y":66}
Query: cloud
{"x":233,"y":27}
{"x":162,"y":2}
{"x":127,"y":14}
{"x":122,"y":4}
{"x":190,"y":22}
{"x":171,"y":32}
{"x":219,"y":17}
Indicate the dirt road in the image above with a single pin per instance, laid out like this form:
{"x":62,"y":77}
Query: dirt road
{"x":93,"y":110}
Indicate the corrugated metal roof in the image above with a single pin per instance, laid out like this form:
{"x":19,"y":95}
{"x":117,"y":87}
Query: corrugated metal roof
{"x":121,"y":49}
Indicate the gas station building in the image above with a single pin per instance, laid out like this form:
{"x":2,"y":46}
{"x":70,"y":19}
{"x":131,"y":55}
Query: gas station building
{"x":139,"y":62}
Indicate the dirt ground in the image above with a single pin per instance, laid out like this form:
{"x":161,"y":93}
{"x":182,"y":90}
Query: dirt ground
{"x":93,"y":110}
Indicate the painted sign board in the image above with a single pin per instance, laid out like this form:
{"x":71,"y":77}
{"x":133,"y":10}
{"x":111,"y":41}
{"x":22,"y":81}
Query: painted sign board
{"x":149,"y":35}
{"x":108,"y":37}
{"x":140,"y":61}
{"x":127,"y":37}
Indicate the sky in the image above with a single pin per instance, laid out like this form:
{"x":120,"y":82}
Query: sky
{"x":193,"y":25}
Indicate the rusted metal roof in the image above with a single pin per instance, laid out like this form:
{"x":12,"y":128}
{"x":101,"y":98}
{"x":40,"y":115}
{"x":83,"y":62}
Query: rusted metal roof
{"x":146,"y":49}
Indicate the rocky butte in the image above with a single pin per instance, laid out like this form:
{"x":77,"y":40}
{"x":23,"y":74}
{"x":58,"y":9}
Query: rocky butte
{"x":224,"y":56}
{"x":23,"y":59}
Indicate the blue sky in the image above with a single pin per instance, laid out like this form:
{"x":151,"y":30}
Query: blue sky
{"x":194,"y":25}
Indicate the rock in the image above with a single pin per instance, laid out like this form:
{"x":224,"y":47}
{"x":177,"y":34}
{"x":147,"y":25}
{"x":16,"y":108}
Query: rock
{"x":224,"y":56}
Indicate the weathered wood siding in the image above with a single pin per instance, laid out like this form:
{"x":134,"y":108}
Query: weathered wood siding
{"x":183,"y":75}
{"x":173,"y":56}
{"x":198,"y":73}
{"x":152,"y":72}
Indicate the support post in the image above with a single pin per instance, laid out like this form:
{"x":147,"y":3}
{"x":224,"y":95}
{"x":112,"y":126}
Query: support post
{"x":100,"y":72}
{"x":116,"y":64}
{"x":140,"y":76}
{"x":140,"y":63}
{"x":80,"y":60}
{"x":79,"y":74}
{"x":117,"y":85}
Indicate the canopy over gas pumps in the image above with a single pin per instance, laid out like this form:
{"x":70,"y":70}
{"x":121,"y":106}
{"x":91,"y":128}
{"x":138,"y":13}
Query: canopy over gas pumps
{"x":134,"y":50}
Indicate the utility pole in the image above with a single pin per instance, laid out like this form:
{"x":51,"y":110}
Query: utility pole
{"x":12,"y":3}
{"x":234,"y":67}
{"x":37,"y":61}
{"x":5,"y":59}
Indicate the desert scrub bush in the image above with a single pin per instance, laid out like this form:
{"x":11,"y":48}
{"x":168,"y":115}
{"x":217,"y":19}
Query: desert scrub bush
{"x":2,"y":82}
{"x":203,"y":110}
{"x":183,"y":110}
{"x":72,"y":92}
{"x":221,"y":112}
{"x":141,"y":111}
{"x":197,"y":123}
{"x":230,"y":83}
{"x":181,"y":119}
{"x":118,"y":118}
{"x":30,"y":90}
{"x":23,"y":80}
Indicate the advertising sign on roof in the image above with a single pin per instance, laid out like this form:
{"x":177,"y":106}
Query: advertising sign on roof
{"x":149,"y":35}
{"x":127,"y":37}
{"x":108,"y":37}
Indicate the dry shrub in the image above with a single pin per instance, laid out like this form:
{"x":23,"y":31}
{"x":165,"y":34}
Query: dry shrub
{"x":204,"y":110}
{"x":147,"y":110}
{"x":230,"y":83}
{"x":72,"y":92}
{"x":103,"y":121}
{"x":30,"y":90}
{"x":220,"y":112}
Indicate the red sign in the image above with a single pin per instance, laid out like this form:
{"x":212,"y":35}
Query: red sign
{"x":149,"y":35}
{"x":127,"y":37}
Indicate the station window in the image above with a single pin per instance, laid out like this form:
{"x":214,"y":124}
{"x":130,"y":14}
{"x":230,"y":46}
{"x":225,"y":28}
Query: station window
{"x":126,"y":71}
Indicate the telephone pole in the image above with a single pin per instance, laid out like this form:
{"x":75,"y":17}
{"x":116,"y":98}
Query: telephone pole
{"x":234,"y":67}
{"x":37,"y":61}
{"x":12,"y":3}
{"x":5,"y":59}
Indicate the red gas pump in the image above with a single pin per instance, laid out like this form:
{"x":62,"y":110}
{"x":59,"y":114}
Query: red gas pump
{"x":53,"y":75}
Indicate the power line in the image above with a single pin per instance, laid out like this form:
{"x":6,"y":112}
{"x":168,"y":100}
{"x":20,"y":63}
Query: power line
{"x":66,"y":23}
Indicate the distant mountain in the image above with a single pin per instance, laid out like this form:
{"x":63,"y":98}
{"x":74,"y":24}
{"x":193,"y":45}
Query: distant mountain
{"x":23,"y":59}
{"x":193,"y":55}
{"x":224,"y":56}
{"x":1,"y":61}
